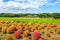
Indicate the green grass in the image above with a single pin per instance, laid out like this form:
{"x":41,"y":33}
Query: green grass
{"x":33,"y":20}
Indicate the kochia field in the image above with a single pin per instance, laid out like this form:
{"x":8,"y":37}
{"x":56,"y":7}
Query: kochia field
{"x":29,"y":28}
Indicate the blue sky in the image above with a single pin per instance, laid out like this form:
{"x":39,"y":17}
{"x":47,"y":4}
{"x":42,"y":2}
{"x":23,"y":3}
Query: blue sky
{"x":29,"y":6}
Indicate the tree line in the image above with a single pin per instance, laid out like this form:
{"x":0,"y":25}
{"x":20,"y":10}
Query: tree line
{"x":40,"y":15}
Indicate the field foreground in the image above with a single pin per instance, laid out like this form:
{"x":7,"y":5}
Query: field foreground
{"x":29,"y":29}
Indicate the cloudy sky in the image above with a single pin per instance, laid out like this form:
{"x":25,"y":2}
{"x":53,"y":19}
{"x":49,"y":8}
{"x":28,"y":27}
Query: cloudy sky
{"x":29,"y":6}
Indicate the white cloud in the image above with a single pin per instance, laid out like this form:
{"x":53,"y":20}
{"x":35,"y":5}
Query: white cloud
{"x":1,"y":3}
{"x":20,"y":4}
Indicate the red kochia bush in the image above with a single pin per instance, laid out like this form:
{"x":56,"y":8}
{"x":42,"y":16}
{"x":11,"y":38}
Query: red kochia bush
{"x":17,"y":33}
{"x":35,"y":35}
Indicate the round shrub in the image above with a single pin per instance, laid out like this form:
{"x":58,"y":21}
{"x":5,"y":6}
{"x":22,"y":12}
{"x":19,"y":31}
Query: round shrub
{"x":8,"y":37}
{"x":58,"y":31}
{"x":11,"y":29}
{"x":4,"y":29}
{"x":17,"y":33}
{"x":26,"y":38}
{"x":25,"y":34}
{"x":35,"y":35}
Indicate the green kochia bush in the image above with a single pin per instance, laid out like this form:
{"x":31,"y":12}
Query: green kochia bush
{"x":8,"y":37}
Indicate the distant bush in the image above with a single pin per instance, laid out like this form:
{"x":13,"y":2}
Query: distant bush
{"x":40,"y":15}
{"x":56,"y":15}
